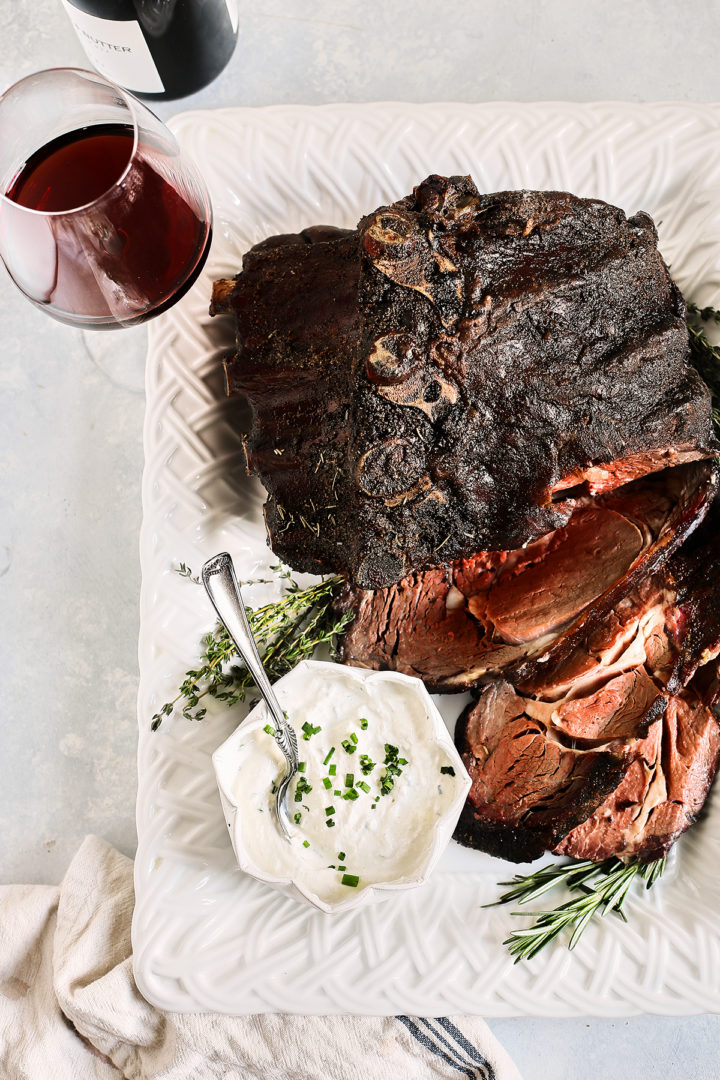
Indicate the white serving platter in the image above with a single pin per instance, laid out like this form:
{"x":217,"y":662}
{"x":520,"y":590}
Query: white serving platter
{"x":205,"y":936}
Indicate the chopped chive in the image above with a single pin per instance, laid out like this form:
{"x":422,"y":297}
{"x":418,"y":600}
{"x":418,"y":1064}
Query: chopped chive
{"x":373,"y":806}
{"x":366,"y":764}
{"x":302,"y":788}
{"x":306,"y":843}
{"x":332,"y":866}
{"x":330,"y":824}
{"x":402,"y":761}
{"x":349,"y":780}
{"x":297,"y":818}
{"x":364,"y":786}
{"x":330,"y":753}
{"x":341,"y":867}
{"x":363,"y":723}
{"x":337,"y":792}
{"x":270,"y":730}
{"x":448,"y":769}
{"x":351,"y":794}
{"x":329,"y":811}
{"x":309,"y":730}
{"x":351,"y":880}
{"x":332,"y":770}
{"x":327,"y":782}
{"x":353,"y":736}
{"x":348,"y":747}
{"x":301,"y":766}
{"x":341,"y":856}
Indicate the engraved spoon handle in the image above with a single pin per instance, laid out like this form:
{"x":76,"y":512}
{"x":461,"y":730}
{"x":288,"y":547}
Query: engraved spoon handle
{"x":218,"y":577}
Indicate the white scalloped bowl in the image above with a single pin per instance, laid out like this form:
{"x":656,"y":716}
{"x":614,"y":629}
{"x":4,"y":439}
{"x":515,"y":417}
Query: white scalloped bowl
{"x":316,"y":674}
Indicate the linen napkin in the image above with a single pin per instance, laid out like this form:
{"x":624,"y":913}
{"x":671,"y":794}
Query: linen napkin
{"x":70,"y":1009}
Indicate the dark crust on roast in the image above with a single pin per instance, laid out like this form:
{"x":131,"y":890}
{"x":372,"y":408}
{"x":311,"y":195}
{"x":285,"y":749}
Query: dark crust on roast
{"x":423,"y":386}
{"x":697,"y":573}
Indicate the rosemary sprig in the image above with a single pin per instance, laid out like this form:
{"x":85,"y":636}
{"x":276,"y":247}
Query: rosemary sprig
{"x":603,"y":886}
{"x":290,"y":628}
{"x":706,"y":356}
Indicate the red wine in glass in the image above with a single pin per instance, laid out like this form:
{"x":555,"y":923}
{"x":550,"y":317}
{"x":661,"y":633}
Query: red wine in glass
{"x":105,"y":224}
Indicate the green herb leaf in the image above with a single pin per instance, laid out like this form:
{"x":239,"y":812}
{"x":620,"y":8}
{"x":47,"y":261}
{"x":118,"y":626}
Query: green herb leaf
{"x":603,"y":888}
{"x":288,"y":630}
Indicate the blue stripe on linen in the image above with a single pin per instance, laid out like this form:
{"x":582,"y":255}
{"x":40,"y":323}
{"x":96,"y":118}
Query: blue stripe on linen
{"x":429,"y":1044}
{"x":442,"y":1041}
{"x":472,"y":1051}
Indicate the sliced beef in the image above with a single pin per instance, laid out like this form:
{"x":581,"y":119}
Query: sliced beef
{"x":599,"y":547}
{"x":661,"y":793}
{"x":621,"y":708}
{"x":610,"y":696}
{"x":695,"y":487}
{"x":455,"y":624}
{"x":452,"y":375}
{"x":618,"y":642}
{"x":533,"y":780}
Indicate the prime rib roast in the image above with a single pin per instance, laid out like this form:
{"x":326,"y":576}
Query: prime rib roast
{"x":480,"y":410}
{"x":442,"y":379}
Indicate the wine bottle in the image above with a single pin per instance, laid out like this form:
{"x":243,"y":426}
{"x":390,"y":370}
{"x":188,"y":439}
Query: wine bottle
{"x":156,"y":48}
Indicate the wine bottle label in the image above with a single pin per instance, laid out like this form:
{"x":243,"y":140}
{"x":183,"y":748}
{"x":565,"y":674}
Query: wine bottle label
{"x":117,"y":49}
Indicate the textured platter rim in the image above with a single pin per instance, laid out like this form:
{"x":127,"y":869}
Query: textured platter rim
{"x":683,"y":995}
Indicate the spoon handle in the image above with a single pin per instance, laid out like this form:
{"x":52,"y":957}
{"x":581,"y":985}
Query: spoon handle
{"x":218,"y":577}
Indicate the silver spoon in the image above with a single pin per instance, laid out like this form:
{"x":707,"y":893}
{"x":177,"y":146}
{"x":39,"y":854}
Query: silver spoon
{"x":218,"y":577}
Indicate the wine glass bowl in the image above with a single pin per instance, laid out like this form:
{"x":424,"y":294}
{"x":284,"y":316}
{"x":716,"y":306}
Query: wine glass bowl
{"x":102,"y":222}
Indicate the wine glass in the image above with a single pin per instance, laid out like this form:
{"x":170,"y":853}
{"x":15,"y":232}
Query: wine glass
{"x":103,"y":224}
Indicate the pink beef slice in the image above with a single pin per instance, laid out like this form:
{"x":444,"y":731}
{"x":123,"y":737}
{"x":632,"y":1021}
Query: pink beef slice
{"x":513,"y":611}
{"x":662,"y":791}
{"x":694,"y":488}
{"x":452,"y":374}
{"x":621,"y":708}
{"x":532,"y":781}
{"x":597,"y":549}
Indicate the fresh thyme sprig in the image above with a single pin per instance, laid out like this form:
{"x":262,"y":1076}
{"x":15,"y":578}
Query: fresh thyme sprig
{"x":290,"y":628}
{"x":604,"y":887}
{"x":705,"y":355}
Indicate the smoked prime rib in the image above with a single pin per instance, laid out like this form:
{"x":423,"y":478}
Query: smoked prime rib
{"x":440,"y":380}
{"x":480,"y":410}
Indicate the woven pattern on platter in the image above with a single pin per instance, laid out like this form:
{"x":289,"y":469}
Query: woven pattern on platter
{"x":205,"y":936}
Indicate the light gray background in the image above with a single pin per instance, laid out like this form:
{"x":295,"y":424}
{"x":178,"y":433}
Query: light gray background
{"x":71,"y":440}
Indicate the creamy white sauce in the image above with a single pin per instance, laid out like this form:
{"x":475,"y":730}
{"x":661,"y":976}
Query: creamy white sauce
{"x":383,"y":837}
